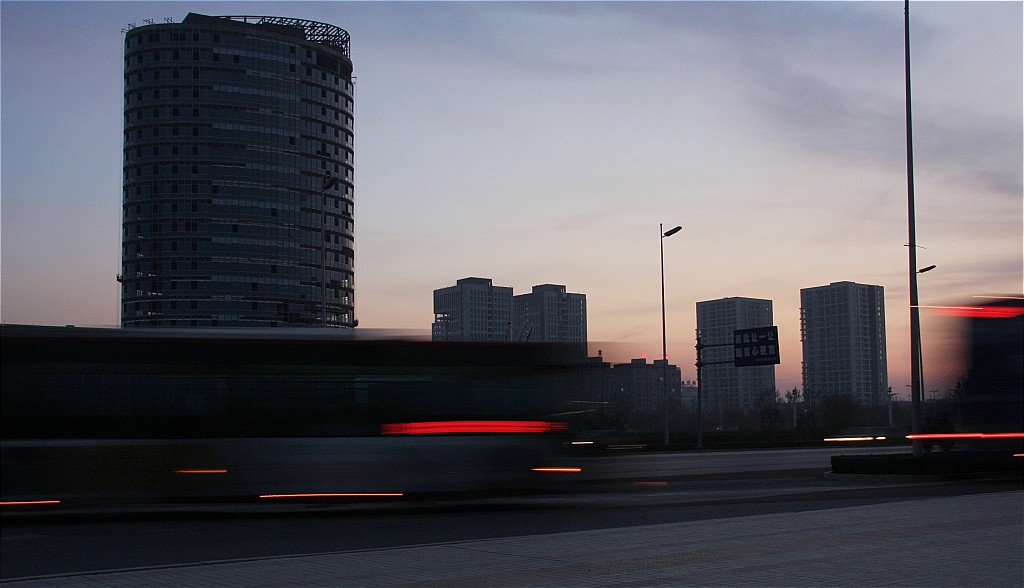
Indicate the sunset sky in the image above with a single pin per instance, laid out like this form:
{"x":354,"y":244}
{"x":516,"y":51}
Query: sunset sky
{"x":543,"y":142}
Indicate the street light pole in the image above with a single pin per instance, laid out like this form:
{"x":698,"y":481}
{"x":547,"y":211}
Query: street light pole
{"x":920,"y":344}
{"x":915,"y":315}
{"x":664,"y":336}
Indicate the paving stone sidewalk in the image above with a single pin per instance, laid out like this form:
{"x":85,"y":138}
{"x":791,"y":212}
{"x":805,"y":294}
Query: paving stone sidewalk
{"x":975,"y":541}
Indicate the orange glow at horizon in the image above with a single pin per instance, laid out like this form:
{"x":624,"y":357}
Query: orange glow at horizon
{"x":554,"y":469}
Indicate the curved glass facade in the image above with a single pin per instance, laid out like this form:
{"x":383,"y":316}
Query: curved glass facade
{"x":238,"y":174}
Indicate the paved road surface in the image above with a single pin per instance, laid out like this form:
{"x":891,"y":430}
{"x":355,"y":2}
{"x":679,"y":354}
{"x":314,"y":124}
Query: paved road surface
{"x":118,"y":540}
{"x":974,"y":540}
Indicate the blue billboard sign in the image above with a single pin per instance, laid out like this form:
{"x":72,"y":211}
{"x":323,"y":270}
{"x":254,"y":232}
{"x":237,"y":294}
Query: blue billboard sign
{"x":758,"y":346}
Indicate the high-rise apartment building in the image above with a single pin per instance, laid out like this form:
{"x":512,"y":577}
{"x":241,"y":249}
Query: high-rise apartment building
{"x":238,"y":174}
{"x":727,"y":388}
{"x":632,"y":395}
{"x":473,"y":309}
{"x":842,"y":329}
{"x":641,"y":385}
{"x":550,"y":314}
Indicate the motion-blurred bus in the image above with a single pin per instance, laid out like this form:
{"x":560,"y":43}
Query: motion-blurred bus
{"x":127,"y":415}
{"x":988,"y":412}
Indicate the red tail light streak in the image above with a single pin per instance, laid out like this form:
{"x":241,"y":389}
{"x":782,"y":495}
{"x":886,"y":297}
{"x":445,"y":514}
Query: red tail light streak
{"x":554,"y":469}
{"x":983,"y":312}
{"x":449,"y":427}
{"x":1014,"y":435}
{"x":335,"y":495}
{"x":27,"y":502}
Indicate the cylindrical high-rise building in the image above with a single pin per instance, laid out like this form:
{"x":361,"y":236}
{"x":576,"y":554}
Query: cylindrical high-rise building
{"x":238,"y":174}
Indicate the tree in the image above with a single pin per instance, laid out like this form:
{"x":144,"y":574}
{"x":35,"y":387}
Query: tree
{"x":769,"y":411}
{"x":837,"y":411}
{"x":793,"y":399}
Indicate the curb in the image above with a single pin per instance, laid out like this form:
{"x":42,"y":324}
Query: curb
{"x":919,"y":478}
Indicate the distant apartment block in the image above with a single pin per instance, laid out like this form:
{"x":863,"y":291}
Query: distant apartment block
{"x":727,"y":388}
{"x":474,"y":309}
{"x":641,"y":387}
{"x":842,"y":329}
{"x":632,"y":389}
{"x":550,"y":314}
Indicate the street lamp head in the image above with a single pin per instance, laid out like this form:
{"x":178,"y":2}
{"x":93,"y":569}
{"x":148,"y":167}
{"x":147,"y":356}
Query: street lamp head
{"x":926,"y":269}
{"x":672,"y":231}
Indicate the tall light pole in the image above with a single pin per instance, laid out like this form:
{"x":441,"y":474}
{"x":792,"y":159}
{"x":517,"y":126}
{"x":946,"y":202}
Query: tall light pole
{"x":915,"y":315}
{"x":664,"y":336}
{"x":920,"y":347}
